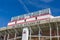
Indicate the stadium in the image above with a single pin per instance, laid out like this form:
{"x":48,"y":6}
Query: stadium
{"x":39,"y":25}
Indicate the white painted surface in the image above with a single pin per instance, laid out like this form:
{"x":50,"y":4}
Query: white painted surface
{"x":20,"y":21}
{"x":25,"y":34}
{"x":43,"y":17}
{"x":31,"y":19}
{"x":11,"y":23}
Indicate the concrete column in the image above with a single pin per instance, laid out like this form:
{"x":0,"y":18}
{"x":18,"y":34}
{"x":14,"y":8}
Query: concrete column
{"x":57,"y":30}
{"x":50,"y":34}
{"x":4,"y":37}
{"x":15,"y":37}
{"x":8,"y":37}
{"x":39,"y":33}
{"x":30,"y":33}
{"x":50,"y":30}
{"x":57,"y":33}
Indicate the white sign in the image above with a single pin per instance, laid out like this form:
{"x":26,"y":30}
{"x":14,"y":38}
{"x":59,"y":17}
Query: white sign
{"x":25,"y":34}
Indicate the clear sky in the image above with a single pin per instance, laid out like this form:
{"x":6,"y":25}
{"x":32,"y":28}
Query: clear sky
{"x":10,"y":8}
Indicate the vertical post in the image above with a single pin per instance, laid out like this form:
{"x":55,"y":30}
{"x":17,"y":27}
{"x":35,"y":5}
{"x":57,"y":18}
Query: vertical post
{"x":4,"y":37}
{"x":15,"y":37}
{"x":39,"y":33}
{"x":50,"y":30}
{"x":57,"y":31}
{"x":8,"y":37}
{"x":30,"y":33}
{"x":50,"y":34}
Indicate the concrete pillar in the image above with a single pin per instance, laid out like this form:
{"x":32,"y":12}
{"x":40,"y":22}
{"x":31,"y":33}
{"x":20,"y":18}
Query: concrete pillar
{"x":15,"y":37}
{"x":50,"y":34}
{"x":4,"y":37}
{"x":57,"y":31}
{"x":8,"y":37}
{"x":50,"y":30}
{"x":30,"y":33}
{"x":39,"y":33}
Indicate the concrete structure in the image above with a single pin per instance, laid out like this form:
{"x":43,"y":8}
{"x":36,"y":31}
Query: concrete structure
{"x":45,"y":29}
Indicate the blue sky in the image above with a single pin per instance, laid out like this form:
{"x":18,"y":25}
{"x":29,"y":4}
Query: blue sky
{"x":10,"y":8}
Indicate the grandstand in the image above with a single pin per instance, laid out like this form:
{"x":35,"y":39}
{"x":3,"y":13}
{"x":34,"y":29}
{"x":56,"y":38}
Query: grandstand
{"x":41,"y":25}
